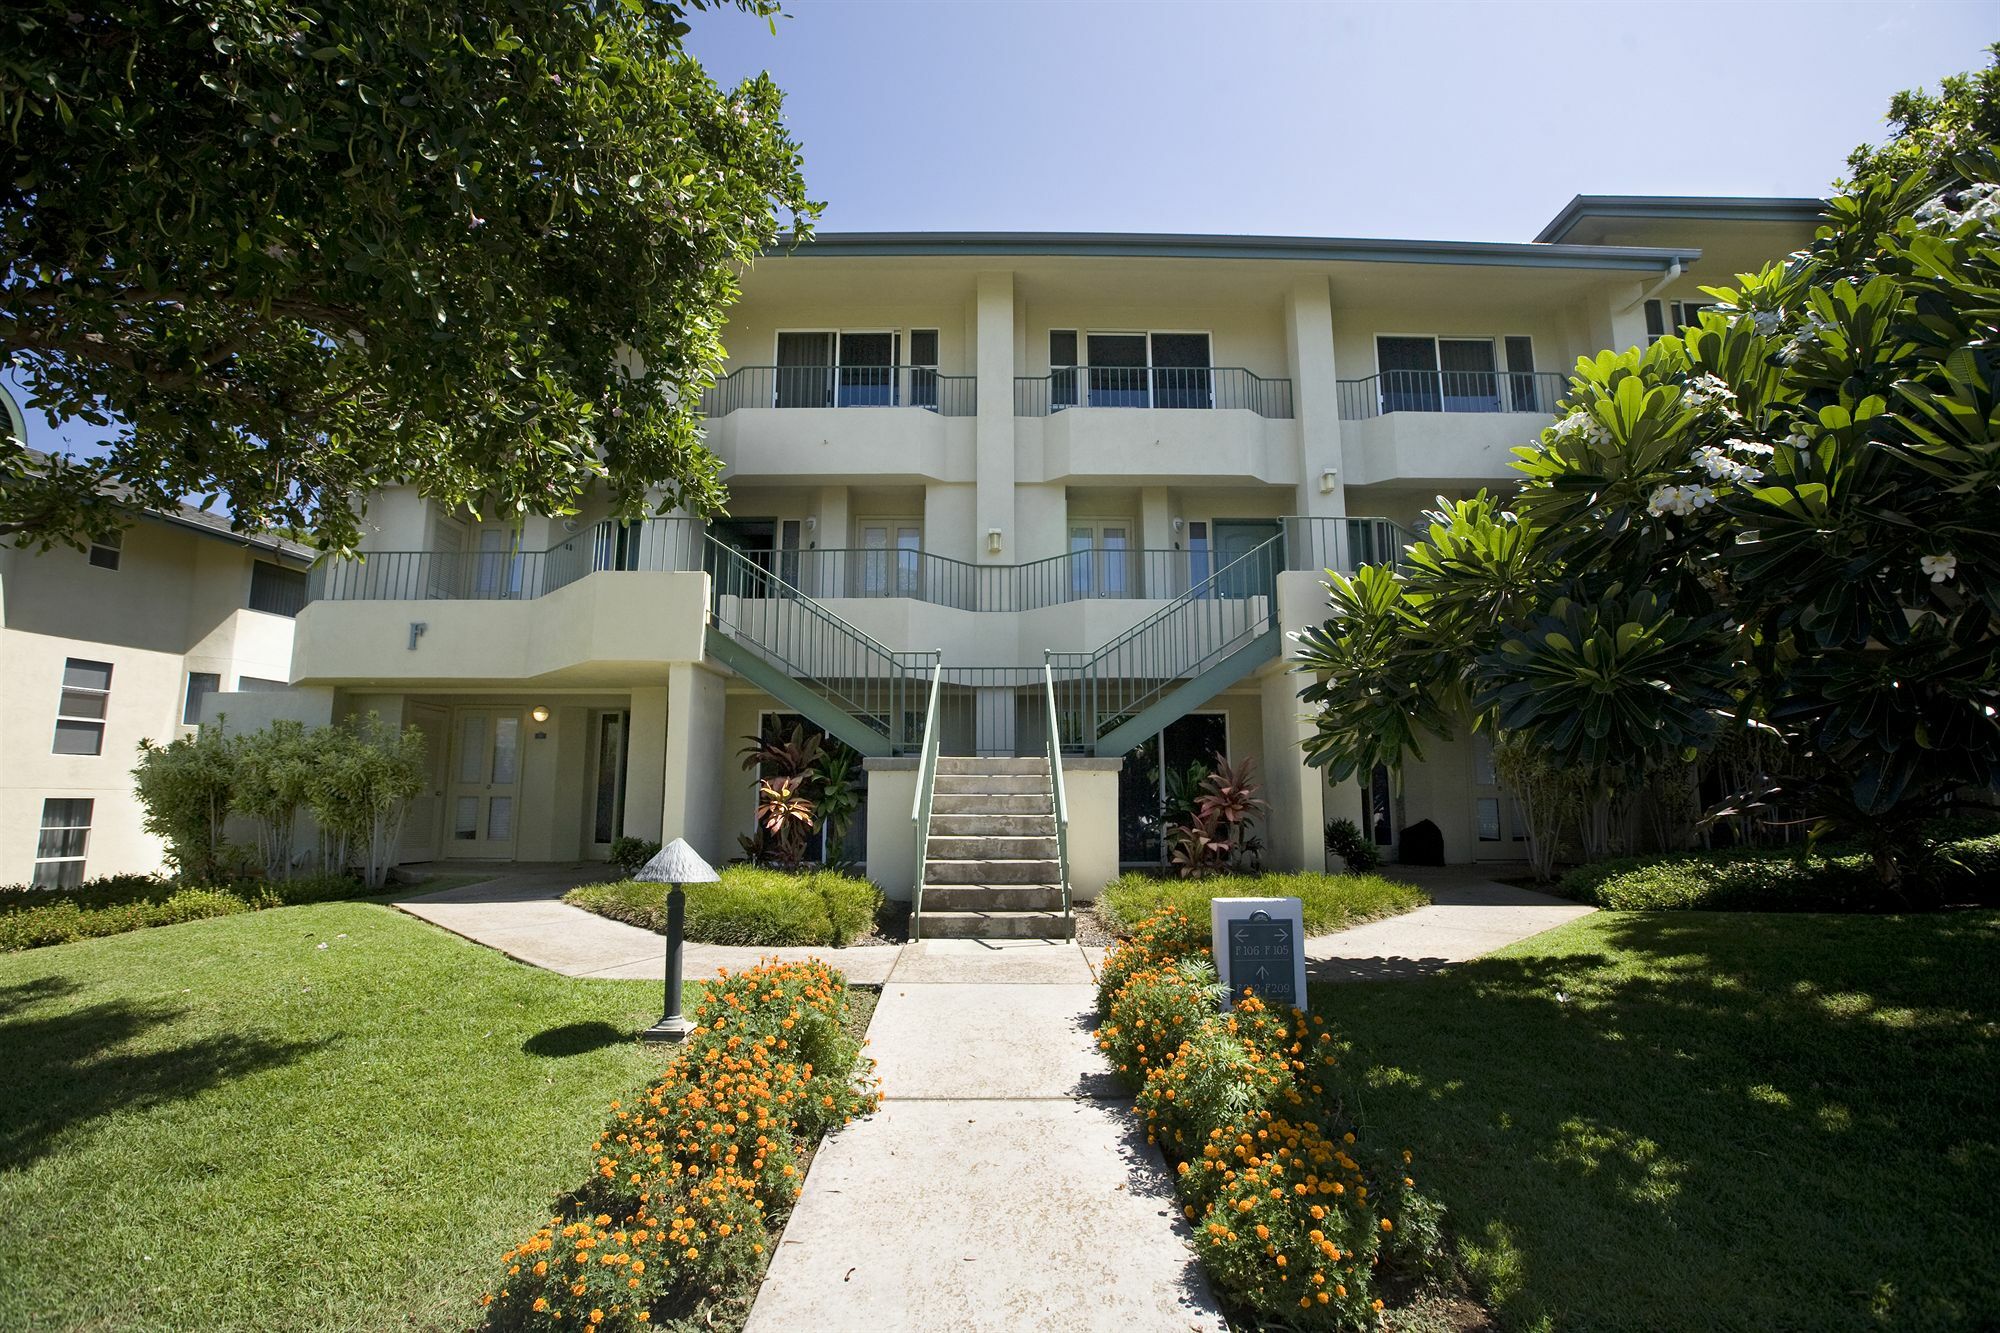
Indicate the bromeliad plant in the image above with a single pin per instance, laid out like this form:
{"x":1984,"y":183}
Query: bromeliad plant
{"x":1216,"y":833}
{"x":1774,"y":535}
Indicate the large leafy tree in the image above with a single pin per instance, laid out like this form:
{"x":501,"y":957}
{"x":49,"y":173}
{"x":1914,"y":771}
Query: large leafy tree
{"x":291,"y":250}
{"x":1778,"y":533}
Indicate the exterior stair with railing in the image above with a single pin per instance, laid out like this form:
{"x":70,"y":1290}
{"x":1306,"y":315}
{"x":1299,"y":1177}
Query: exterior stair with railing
{"x":992,"y":866}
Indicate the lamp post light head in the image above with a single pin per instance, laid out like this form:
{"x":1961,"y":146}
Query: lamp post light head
{"x":674,"y":865}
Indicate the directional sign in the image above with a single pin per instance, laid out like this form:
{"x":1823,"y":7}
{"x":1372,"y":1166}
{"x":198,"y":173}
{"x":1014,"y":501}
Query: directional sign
{"x":1260,"y":947}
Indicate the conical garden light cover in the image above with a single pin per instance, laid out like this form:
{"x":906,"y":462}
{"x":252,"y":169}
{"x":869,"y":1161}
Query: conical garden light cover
{"x":677,"y":863}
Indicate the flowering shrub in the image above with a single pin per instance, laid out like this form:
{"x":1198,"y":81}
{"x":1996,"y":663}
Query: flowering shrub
{"x":688,"y":1177}
{"x":1288,"y":1219}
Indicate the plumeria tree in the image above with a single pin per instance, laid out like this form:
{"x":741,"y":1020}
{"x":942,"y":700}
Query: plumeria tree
{"x":1784,"y":522}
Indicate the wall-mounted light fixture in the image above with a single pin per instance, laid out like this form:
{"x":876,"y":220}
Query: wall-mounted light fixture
{"x":992,"y":541}
{"x":1180,"y":525}
{"x":540,"y":712}
{"x":812,"y":523}
{"x":1328,"y":480}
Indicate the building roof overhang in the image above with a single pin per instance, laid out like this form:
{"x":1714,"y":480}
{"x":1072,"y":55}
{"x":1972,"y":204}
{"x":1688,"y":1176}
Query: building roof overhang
{"x":1678,"y":208}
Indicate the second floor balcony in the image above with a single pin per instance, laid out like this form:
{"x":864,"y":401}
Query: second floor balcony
{"x":1188,"y":388}
{"x":795,"y":388}
{"x":1480,"y":391}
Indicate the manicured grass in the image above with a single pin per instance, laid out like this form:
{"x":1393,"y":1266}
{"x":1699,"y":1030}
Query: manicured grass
{"x":328,"y":1117}
{"x":1330,"y":902}
{"x":752,"y":905}
{"x":1695,"y":1120}
{"x":32,"y":918}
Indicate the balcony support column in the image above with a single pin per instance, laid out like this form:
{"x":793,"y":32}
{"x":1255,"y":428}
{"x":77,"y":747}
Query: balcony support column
{"x":1155,"y":534}
{"x":831,"y":534}
{"x":993,"y":449}
{"x":697,"y":769}
{"x":1315,"y":396}
{"x":645,"y":762}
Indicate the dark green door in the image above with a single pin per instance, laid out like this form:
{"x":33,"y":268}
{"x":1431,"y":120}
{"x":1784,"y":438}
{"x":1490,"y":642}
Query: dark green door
{"x":1236,"y":539}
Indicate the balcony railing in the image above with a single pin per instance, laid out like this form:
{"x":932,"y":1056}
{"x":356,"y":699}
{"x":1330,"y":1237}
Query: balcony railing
{"x":1344,"y":544}
{"x":842,"y":386}
{"x":655,"y":544}
{"x":1450,"y":391}
{"x":1203,"y":388}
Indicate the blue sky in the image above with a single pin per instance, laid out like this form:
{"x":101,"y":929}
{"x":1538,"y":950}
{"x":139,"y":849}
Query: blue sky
{"x":1456,"y":121}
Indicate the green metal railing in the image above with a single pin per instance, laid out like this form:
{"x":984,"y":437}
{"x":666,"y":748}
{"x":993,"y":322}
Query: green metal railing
{"x":1074,"y":576}
{"x":856,"y":675}
{"x":653,"y":544}
{"x":1057,"y":790}
{"x":1345,"y":544}
{"x":842,"y":386}
{"x":1112,"y":689}
{"x":1196,"y":387}
{"x":920,"y":810}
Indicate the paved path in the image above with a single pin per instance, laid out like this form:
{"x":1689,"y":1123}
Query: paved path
{"x":520,"y":912}
{"x":1004,"y":1185}
{"x":1469,"y":915}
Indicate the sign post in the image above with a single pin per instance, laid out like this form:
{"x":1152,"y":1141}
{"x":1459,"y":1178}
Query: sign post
{"x":1260,"y":947}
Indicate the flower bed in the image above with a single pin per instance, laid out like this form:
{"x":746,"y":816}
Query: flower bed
{"x":1293,"y":1217}
{"x":32,"y":918}
{"x":691,"y":1179}
{"x":751,"y":905}
{"x":1330,"y":902}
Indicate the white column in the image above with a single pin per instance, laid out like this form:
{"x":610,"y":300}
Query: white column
{"x":993,"y":456}
{"x":830,"y":534}
{"x":1156,"y":533}
{"x":695,"y":772}
{"x":1315,"y":395}
{"x":645,"y":762}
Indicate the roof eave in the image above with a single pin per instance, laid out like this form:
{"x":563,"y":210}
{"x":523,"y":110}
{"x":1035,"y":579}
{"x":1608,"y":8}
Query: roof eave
{"x":1691,"y":208}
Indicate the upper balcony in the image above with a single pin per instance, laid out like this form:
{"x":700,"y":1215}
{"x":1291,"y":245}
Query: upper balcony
{"x":802,"y":421}
{"x":1204,"y":425}
{"x":1442,"y":427}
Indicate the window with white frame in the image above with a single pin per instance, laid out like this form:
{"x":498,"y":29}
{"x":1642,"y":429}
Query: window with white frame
{"x":86,"y":694}
{"x":106,"y":550}
{"x":1102,"y":558}
{"x":201,"y":684}
{"x":1665,"y":317}
{"x":65,"y":836}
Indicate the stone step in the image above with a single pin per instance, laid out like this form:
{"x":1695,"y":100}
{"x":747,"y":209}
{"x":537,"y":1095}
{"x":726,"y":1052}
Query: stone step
{"x":974,"y":803}
{"x":992,"y":898}
{"x":969,"y":763}
{"x":990,"y":784}
{"x":991,"y":872}
{"x":950,"y":848}
{"x":994,"y":926}
{"x":991,"y":826}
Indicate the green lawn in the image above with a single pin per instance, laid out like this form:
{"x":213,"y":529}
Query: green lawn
{"x":1328,"y":902}
{"x":326,"y":1117}
{"x":1699,"y":1120}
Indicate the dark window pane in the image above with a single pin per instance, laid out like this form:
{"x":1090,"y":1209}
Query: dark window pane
{"x":1062,"y":353}
{"x":1469,"y":382}
{"x":201,"y":684}
{"x":58,"y":874}
{"x":79,"y":674}
{"x":276,"y":589}
{"x":923,"y":347}
{"x":104,"y":555}
{"x":79,"y":737}
{"x":82,"y":703}
{"x":1118,"y":370}
{"x":1656,"y":320}
{"x":1062,"y":347}
{"x":1409,"y":374}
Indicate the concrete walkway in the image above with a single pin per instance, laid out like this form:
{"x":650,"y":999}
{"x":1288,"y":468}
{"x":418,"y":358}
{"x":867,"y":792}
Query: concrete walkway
{"x":520,"y":912}
{"x":1469,"y":915}
{"x":1004,"y":1185}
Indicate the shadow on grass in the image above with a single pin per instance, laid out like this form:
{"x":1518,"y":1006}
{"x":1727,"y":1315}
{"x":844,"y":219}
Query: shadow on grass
{"x":575,"y":1039}
{"x":1724,"y":1120}
{"x":65,"y":1068}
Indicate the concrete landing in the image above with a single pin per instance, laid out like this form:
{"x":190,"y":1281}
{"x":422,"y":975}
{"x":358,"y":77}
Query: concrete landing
{"x":1004,"y":1185}
{"x":520,"y":912}
{"x":1469,"y":915}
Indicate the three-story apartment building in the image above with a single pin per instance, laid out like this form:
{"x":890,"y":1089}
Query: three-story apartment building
{"x":1081,"y":478}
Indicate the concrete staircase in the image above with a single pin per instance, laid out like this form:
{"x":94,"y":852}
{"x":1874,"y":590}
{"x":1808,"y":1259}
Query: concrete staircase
{"x":991,"y":869}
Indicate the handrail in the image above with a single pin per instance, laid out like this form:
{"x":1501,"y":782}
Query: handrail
{"x":1449,"y":391}
{"x":920,"y":809}
{"x":1179,"y":641}
{"x":1345,"y":544}
{"x":1193,"y":387}
{"x":648,"y":545}
{"x":1135,"y":573}
{"x":922,"y":387}
{"x":849,"y":668}
{"x":1056,"y":787}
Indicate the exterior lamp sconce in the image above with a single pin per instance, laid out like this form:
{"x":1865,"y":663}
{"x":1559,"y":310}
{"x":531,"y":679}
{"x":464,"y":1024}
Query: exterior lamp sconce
{"x":1328,"y":480}
{"x":674,"y":865}
{"x":992,"y":541}
{"x":540,"y":712}
{"x":812,"y":523}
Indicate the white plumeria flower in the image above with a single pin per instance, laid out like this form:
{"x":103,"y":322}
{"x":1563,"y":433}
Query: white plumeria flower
{"x":1800,"y":441}
{"x":1697,"y":496}
{"x":1768,"y":322}
{"x":1940,"y":567}
{"x":1754,"y":447}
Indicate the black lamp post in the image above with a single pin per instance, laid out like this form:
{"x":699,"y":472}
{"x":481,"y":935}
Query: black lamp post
{"x":674,"y":865}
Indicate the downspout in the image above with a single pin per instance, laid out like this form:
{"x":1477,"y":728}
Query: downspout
{"x":1673,"y":271}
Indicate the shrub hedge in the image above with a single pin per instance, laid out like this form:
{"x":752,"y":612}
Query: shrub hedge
{"x":752,"y":905}
{"x":32,"y":918}
{"x":1293,"y":1217}
{"x":1958,"y":869}
{"x":1330,"y":902}
{"x":691,"y":1179}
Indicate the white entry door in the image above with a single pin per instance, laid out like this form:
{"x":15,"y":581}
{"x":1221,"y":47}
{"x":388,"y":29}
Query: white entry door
{"x":420,"y":826}
{"x":485,"y":782}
